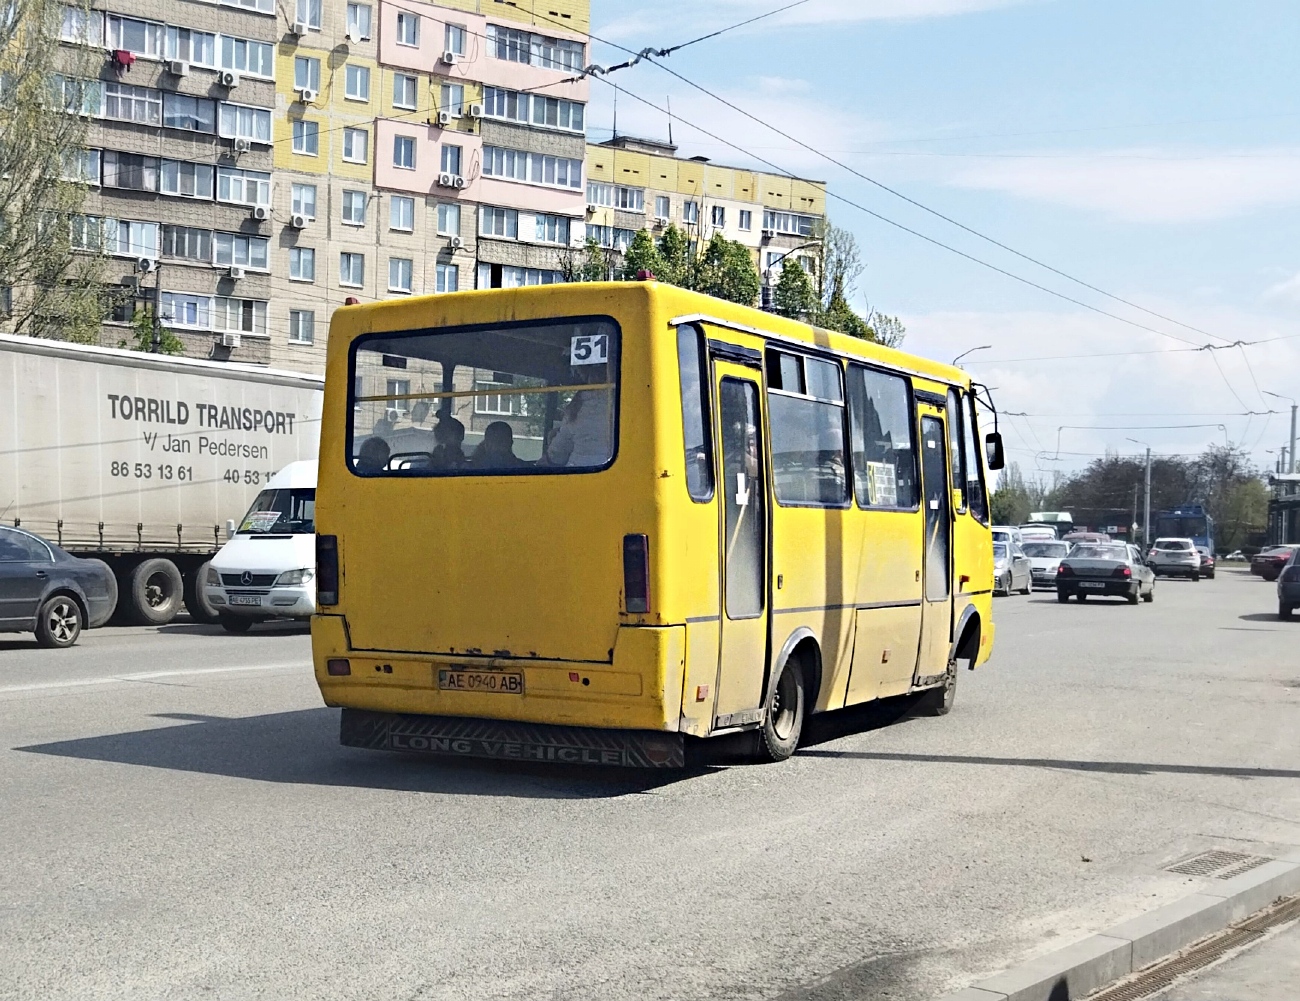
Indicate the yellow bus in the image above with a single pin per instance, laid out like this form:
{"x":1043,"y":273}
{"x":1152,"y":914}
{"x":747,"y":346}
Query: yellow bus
{"x":584,"y":523}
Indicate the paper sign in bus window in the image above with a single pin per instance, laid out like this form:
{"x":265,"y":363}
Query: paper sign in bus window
{"x":882,"y":484}
{"x":589,"y":349}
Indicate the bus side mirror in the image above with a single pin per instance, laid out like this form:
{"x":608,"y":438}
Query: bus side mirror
{"x":993,"y":450}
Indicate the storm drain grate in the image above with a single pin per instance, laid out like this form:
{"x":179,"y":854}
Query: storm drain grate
{"x":1160,"y":975}
{"x":1218,"y":863}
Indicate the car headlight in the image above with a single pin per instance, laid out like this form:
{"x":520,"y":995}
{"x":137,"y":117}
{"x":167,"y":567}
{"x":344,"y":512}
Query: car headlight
{"x":295,"y":577}
{"x":213,"y":579}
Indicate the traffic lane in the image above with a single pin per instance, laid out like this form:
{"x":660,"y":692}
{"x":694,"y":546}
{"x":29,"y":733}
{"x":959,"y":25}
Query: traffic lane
{"x":244,"y":852}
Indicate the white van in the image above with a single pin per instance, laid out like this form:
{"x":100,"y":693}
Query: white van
{"x":267,"y":570}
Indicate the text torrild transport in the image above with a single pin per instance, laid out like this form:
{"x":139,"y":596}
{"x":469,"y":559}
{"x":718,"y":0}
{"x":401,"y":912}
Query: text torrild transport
{"x":154,"y":411}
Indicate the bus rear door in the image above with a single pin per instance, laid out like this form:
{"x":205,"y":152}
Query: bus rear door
{"x":936,"y":499}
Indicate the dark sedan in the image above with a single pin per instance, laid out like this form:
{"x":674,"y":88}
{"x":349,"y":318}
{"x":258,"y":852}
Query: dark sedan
{"x":1113,"y":569}
{"x":1269,"y":562}
{"x":1288,"y":587}
{"x":49,"y":592}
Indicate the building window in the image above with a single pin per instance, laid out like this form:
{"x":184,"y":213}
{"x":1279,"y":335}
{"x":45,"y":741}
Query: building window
{"x":449,"y":219}
{"x":306,"y":138}
{"x":186,"y":243}
{"x":244,"y":56}
{"x":401,"y":213}
{"x":403,"y":90}
{"x":144,"y":38}
{"x":453,"y":99}
{"x":356,"y":144}
{"x":193,"y":114}
{"x":408,"y":28}
{"x":309,"y":12}
{"x":242,"y":187}
{"x":245,"y":316}
{"x":746,"y":220}
{"x":191,"y":311}
{"x":303,"y":200}
{"x":557,"y":114}
{"x":508,"y":104}
{"x":125,"y":103}
{"x":81,"y":27}
{"x":553,"y":229}
{"x":399,"y":387}
{"x":130,"y":171}
{"x":534,"y":168}
{"x":190,"y":46}
{"x":354,"y":207}
{"x":718,"y":216}
{"x":516,"y":277}
{"x":302,"y":264}
{"x":454,"y":39}
{"x":352,"y":269}
{"x":127,"y":238}
{"x":357,"y":83}
{"x":235,"y":250}
{"x":399,"y":274}
{"x":359,"y":21}
{"x":82,"y":166}
{"x":691,"y":213}
{"x":306,"y":73}
{"x":239,"y":122}
{"x":663,"y":207}
{"x":451,"y":157}
{"x":404,"y":152}
{"x":509,"y":43}
{"x":600,"y":194}
{"x":610,"y":237}
{"x":302,"y":324}
{"x":498,"y":222}
{"x":189,"y":180}
{"x":789,"y":223}
{"x":448,"y":277}
{"x":631,"y":199}
{"x":539,"y":50}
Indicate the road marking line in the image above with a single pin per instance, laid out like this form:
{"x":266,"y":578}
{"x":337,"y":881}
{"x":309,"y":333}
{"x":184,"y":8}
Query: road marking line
{"x":150,"y":676}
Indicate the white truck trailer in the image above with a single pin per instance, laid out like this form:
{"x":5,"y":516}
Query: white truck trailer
{"x":140,"y":460}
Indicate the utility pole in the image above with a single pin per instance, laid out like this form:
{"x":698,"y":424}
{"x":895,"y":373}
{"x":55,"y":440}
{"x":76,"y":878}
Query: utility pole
{"x":1146,"y":523}
{"x":1292,"y":452}
{"x":156,"y":343}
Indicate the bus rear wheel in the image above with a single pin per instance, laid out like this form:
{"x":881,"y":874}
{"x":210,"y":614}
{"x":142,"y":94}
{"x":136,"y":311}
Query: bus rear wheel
{"x":784,"y":714}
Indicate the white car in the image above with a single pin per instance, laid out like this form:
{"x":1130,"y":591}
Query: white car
{"x":268,"y":568}
{"x":1175,"y":558}
{"x":1044,"y":559}
{"x":1007,"y":533}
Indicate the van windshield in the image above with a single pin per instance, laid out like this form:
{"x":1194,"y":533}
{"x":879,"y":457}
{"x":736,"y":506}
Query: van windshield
{"x":1046,"y":550}
{"x":281,"y":512}
{"x":513,"y":398}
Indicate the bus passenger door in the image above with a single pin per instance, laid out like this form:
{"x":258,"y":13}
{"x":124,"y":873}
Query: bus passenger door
{"x":936,"y":499}
{"x":744,"y":560}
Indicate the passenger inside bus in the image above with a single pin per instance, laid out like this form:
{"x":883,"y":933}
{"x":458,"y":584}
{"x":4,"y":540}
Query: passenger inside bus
{"x":373,"y":457}
{"x":583,"y":437}
{"x":497,"y":449}
{"x":449,"y":433}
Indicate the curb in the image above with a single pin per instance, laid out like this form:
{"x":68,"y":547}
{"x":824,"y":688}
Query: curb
{"x":1088,"y":965}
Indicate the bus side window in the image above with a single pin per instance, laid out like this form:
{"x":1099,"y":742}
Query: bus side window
{"x":883,"y":439}
{"x":975,"y":494}
{"x":955,"y":437}
{"x":695,"y":410}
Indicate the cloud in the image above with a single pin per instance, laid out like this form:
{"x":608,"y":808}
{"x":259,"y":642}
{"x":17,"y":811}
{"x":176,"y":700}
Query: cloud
{"x":1289,"y":289}
{"x":1148,"y":186}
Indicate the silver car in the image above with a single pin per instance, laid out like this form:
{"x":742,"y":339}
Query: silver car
{"x":1044,"y":558}
{"x":1175,"y":558}
{"x":1010,"y":569}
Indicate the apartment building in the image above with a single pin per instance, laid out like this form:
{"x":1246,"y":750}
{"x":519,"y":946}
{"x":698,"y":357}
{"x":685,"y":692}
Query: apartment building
{"x":635,"y":184}
{"x":422,"y":148}
{"x":180,"y":97}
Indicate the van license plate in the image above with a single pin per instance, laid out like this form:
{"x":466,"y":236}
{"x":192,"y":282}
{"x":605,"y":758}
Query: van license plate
{"x":507,"y":682}
{"x":1089,"y":583}
{"x":245,"y":599}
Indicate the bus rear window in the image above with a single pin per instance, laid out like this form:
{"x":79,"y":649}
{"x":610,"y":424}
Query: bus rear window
{"x":537,"y":397}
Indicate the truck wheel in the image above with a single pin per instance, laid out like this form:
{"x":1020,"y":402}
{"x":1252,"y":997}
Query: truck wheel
{"x":236,"y":623}
{"x":196,"y":599}
{"x":58,"y":624}
{"x":155,"y":593}
{"x":783,"y":720}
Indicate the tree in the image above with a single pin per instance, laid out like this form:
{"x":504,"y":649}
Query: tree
{"x":143,"y":333}
{"x":724,"y":268}
{"x":642,"y":255}
{"x":1014,"y":499}
{"x":840,"y":265}
{"x":839,"y":315}
{"x":793,"y":295}
{"x":591,"y":264}
{"x":886,"y":330}
{"x":46,"y":91}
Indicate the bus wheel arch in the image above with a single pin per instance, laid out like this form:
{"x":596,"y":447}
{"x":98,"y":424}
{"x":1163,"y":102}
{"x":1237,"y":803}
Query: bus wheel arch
{"x":790,"y":694}
{"x":967,"y":645}
{"x":801,"y":644}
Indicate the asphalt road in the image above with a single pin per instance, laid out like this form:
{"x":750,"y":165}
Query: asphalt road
{"x":177,"y":821}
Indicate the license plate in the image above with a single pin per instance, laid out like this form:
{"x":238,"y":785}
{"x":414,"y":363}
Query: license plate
{"x":245,"y":599}
{"x":1089,"y":583}
{"x":505,"y":682}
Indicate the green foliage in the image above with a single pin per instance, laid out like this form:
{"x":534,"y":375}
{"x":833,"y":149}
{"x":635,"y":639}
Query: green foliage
{"x":142,"y":338}
{"x":724,"y":268}
{"x":1014,"y":498}
{"x":642,"y":255}
{"x":793,"y":295}
{"x":591,"y":264}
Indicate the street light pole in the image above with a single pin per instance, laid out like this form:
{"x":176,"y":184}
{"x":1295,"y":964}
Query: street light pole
{"x":1289,"y":464}
{"x":971,"y":351}
{"x":1146,"y":503}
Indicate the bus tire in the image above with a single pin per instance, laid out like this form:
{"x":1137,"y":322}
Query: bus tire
{"x":196,"y":599}
{"x":236,"y":623}
{"x":155,"y":592}
{"x":784,"y":714}
{"x":939,"y":701}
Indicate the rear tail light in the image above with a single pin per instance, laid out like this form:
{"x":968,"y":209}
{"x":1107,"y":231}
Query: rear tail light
{"x":1122,"y":572}
{"x":338,"y":668}
{"x":1064,"y":571}
{"x":1151,"y":555}
{"x":636,"y":574}
{"x":327,"y":569}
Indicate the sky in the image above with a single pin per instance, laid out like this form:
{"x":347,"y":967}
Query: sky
{"x":1147,"y":148}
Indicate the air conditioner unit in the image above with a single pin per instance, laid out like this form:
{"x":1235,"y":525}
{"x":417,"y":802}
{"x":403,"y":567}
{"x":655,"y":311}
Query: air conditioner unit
{"x":458,"y":181}
{"x":145,"y":264}
{"x":228,"y":79}
{"x":446,"y":180}
{"x":178,"y":67}
{"x":768,"y":234}
{"x":661,"y":220}
{"x":591,"y":208}
{"x":450,"y":58}
{"x":457,"y":243}
{"x":261,"y":212}
{"x":298,"y":221}
{"x":243,"y":145}
{"x":444,"y":118}
{"x":299,"y":28}
{"x":476,"y":111}
{"x":306,"y":95}
{"x":230,"y":340}
{"x":236,"y":272}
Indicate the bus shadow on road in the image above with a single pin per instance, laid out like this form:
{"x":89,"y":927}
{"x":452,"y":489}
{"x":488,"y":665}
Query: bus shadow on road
{"x":302,"y":748}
